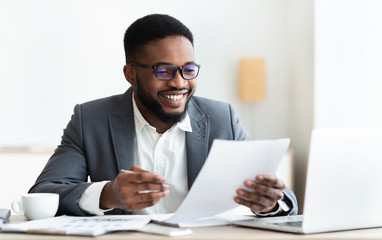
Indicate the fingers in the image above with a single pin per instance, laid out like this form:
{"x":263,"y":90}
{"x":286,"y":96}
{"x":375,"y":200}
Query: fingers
{"x":141,"y":176}
{"x":255,"y":189}
{"x":151,"y":187}
{"x":152,"y":196}
{"x":140,"y":189}
{"x":139,"y":201}
{"x":137,"y":169}
{"x":256,"y":207}
{"x":261,"y":194}
{"x":270,"y":181}
{"x":255,"y":201}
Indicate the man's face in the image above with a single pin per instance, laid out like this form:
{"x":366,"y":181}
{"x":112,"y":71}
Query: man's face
{"x":164,"y":100}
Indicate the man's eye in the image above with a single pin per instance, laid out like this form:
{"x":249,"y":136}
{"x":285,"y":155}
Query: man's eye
{"x":189,"y":70}
{"x":162,"y":71}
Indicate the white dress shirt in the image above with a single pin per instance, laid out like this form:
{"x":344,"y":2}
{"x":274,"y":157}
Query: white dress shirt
{"x":163,"y":154}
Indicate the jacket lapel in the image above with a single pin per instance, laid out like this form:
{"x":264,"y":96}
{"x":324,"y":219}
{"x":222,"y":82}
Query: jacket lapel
{"x":196,"y":141}
{"x":122,"y":129}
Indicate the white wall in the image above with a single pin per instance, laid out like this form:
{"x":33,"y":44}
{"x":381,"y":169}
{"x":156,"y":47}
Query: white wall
{"x":18,"y":172}
{"x":300,"y":86}
{"x":58,"y":53}
{"x":348,"y":64}
{"x":287,"y":45}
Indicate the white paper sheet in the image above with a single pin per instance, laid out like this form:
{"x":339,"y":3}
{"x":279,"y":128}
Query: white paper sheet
{"x":228,"y":164}
{"x":86,"y":226}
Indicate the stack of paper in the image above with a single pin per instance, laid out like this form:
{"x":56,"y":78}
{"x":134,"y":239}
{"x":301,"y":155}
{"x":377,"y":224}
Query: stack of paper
{"x":87,"y":226}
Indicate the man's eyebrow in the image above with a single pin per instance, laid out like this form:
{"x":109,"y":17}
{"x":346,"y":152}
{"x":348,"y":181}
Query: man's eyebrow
{"x":167,"y":63}
{"x":162,"y":63}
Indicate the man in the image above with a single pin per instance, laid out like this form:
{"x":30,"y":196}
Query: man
{"x":157,"y":130}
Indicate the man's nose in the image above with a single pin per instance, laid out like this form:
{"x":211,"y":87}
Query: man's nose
{"x":178,"y":81}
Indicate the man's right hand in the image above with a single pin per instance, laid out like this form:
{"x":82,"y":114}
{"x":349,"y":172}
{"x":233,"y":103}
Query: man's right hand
{"x":134,"y":191}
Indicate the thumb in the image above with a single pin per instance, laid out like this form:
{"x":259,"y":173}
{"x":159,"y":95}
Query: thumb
{"x":137,"y":169}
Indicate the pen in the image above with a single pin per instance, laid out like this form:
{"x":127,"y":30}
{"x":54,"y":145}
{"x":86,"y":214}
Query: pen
{"x":128,"y":171}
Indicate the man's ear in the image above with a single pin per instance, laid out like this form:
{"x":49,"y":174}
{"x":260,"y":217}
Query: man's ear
{"x":129,"y":73}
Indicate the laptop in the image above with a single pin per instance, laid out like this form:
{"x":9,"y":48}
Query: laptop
{"x":343,"y":185}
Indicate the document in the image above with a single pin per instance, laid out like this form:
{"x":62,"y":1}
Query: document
{"x":85,"y":226}
{"x":228,"y":164}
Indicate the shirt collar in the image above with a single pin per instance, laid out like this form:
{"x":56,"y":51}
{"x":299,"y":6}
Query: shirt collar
{"x":140,"y":121}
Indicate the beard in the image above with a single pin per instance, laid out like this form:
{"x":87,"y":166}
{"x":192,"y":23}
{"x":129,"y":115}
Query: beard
{"x":154,"y":106}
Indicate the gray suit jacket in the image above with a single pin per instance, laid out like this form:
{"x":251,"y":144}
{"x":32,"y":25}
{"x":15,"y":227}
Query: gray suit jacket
{"x":99,"y":141}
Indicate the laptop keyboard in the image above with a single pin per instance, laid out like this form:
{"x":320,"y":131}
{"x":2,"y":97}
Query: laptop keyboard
{"x":290,"y":224}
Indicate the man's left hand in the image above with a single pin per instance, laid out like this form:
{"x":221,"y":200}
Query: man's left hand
{"x":266,"y":191}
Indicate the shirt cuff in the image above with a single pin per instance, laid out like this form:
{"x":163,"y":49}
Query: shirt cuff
{"x":89,"y":201}
{"x":283,"y":207}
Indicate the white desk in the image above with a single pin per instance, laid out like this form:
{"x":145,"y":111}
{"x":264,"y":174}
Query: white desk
{"x":209,"y":233}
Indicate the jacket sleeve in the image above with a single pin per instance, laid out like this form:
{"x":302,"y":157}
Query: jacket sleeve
{"x":291,"y":201}
{"x":239,"y":132}
{"x":66,"y":171}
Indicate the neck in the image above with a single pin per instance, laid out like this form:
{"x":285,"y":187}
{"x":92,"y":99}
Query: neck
{"x":152,"y":119}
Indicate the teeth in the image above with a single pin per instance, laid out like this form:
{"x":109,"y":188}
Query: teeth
{"x":174,"y":97}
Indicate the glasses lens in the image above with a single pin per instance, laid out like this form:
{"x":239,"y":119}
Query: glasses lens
{"x":165,"y":72}
{"x":190,"y":71}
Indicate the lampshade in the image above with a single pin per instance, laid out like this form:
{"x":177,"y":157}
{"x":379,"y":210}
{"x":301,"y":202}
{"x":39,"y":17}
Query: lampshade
{"x":252,"y":79}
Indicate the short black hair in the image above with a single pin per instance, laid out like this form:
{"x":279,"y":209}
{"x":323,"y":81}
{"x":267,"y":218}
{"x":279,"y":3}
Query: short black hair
{"x":149,"y":28}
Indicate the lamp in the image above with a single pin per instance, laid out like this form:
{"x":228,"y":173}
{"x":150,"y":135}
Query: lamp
{"x":252,"y":80}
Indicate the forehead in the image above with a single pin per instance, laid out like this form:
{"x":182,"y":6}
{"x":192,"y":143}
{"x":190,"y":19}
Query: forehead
{"x":176,"y":50}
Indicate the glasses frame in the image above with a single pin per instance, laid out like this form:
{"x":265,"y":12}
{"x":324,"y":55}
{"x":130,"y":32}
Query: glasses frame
{"x":174,"y":73}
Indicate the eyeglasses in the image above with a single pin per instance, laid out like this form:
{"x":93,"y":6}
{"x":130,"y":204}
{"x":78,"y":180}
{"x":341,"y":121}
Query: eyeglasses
{"x":167,"y":72}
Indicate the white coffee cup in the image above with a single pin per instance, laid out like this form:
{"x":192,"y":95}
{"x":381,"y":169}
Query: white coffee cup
{"x":37,"y":205}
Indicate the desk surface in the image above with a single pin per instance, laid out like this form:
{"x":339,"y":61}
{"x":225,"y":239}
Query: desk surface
{"x":204,"y":233}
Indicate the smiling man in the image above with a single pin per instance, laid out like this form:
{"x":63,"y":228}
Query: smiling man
{"x":157,"y":130}
{"x":163,"y":103}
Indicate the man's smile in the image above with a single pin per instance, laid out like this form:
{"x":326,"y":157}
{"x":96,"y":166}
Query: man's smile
{"x":173,"y":99}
